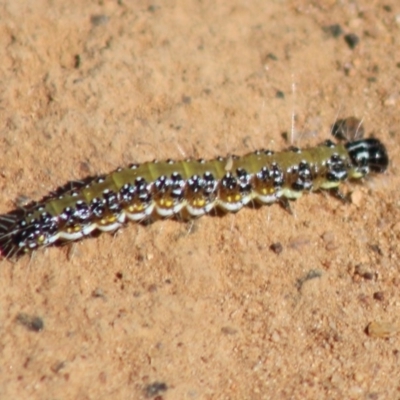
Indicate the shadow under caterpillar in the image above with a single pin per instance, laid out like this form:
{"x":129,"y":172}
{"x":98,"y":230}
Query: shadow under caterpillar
{"x":187,"y":189}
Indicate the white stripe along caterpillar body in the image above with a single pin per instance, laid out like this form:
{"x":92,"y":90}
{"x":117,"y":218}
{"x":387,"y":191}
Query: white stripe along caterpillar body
{"x":189,"y":188}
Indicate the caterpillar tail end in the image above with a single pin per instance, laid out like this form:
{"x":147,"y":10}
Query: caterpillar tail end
{"x":8,"y":248}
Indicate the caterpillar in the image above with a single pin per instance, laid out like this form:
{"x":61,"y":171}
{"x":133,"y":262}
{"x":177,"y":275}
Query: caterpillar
{"x":186,"y":189}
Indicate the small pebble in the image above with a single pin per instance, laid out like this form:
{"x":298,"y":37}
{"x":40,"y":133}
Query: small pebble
{"x":391,"y":101}
{"x":298,"y":242}
{"x":227,"y":330}
{"x":376,"y":249}
{"x":368,"y":276}
{"x":364,"y":272}
{"x":381,"y":329}
{"x":334,"y":30}
{"x":359,"y":377}
{"x":77,"y":61}
{"x":380,"y":296}
{"x":99,"y":19}
{"x":352,"y":40}
{"x":31,"y":322}
{"x":58,"y":366}
{"x":272,"y":56}
{"x":349,"y":69}
{"x":275,"y":337}
{"x":98,"y":292}
{"x":186,"y":99}
{"x":155,"y":388}
{"x":329,"y":239}
{"x":355,"y":391}
{"x":277,"y":247}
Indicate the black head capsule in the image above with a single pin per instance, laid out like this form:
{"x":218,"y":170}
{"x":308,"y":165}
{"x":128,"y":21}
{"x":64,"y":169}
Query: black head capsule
{"x":368,"y":155}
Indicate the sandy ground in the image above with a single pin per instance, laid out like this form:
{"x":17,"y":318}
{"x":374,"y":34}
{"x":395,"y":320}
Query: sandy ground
{"x":205,"y":310}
